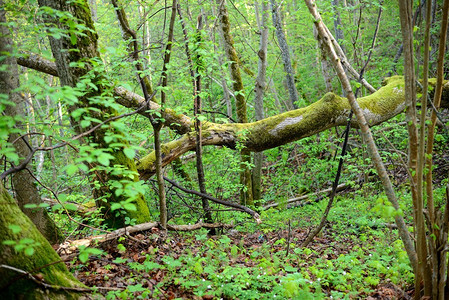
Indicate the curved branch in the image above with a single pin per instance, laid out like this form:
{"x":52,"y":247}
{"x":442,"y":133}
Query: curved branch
{"x":177,"y":122}
{"x":330,"y":111}
{"x":240,"y":207}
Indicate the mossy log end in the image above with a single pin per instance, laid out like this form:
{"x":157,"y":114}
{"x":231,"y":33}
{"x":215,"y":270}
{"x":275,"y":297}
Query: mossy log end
{"x":44,"y":263}
{"x":330,"y":111}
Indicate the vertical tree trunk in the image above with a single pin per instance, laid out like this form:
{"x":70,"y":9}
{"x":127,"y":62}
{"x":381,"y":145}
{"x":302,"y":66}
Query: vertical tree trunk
{"x":197,"y":70}
{"x":326,"y":67}
{"x":85,"y":47}
{"x":438,"y":224}
{"x":23,"y":182}
{"x":366,"y":131}
{"x":145,"y":41}
{"x":285,"y":52}
{"x":436,"y":101}
{"x":339,"y":35}
{"x":246,"y":194}
{"x":421,"y":271}
{"x":93,"y":9}
{"x":259,"y":91}
{"x":44,"y":260}
{"x":157,"y":124}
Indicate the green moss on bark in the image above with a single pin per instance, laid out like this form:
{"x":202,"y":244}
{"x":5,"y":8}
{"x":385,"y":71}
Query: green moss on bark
{"x":330,"y":111}
{"x":44,"y":261}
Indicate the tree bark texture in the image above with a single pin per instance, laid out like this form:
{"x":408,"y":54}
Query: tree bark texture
{"x":67,"y":52}
{"x":44,"y":260}
{"x":259,"y":89}
{"x":285,"y":53}
{"x":23,"y":183}
{"x":363,"y":122}
{"x":246,"y":194}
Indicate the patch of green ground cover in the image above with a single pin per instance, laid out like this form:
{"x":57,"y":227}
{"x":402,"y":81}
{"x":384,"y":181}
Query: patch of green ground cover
{"x":355,"y":254}
{"x":349,"y":259}
{"x":225,"y":269}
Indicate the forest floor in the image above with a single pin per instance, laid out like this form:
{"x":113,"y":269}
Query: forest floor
{"x":248,"y":265}
{"x":358,"y":254}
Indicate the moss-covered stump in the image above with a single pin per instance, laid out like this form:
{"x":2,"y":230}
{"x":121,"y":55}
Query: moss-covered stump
{"x":44,"y":264}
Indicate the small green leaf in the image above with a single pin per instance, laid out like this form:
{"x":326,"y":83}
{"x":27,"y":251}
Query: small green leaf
{"x":120,"y":260}
{"x":129,"y":153}
{"x":130,"y":206}
{"x":56,"y":207}
{"x":83,"y":257}
{"x":30,"y":205}
{"x":198,"y":268}
{"x":290,"y":269}
{"x":19,"y":247}
{"x":71,"y":206}
{"x":103,"y":159}
{"x":29,"y":251}
{"x":108,"y":139}
{"x":201,"y":118}
{"x":15,"y":228}
{"x":85,"y":123}
{"x":115,"y":206}
{"x":95,"y":251}
{"x":136,"y":288}
{"x":71,"y":169}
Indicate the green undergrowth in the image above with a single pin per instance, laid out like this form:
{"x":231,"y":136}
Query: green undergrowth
{"x":354,"y":255}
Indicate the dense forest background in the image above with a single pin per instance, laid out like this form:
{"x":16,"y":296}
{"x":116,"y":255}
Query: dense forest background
{"x":224,"y":149}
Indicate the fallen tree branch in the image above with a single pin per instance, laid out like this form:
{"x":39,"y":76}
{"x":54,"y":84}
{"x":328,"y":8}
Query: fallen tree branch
{"x":339,"y":188}
{"x":249,"y":211}
{"x":198,"y":226}
{"x":71,"y":246}
{"x":177,"y":122}
{"x":330,"y":111}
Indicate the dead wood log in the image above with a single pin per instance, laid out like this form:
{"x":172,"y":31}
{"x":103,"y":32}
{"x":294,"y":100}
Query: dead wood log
{"x":70,"y":247}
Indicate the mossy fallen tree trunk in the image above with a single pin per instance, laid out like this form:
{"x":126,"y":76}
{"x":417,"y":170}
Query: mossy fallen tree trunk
{"x":51,"y":280}
{"x":330,"y":111}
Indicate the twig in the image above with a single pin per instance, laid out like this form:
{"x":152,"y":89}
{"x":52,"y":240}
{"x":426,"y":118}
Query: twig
{"x":334,"y":188}
{"x":249,"y":211}
{"x":339,"y":188}
{"x":198,"y":226}
{"x":72,"y":245}
{"x":26,"y":161}
{"x":220,"y":113}
{"x":43,"y":284}
{"x":288,"y":238}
